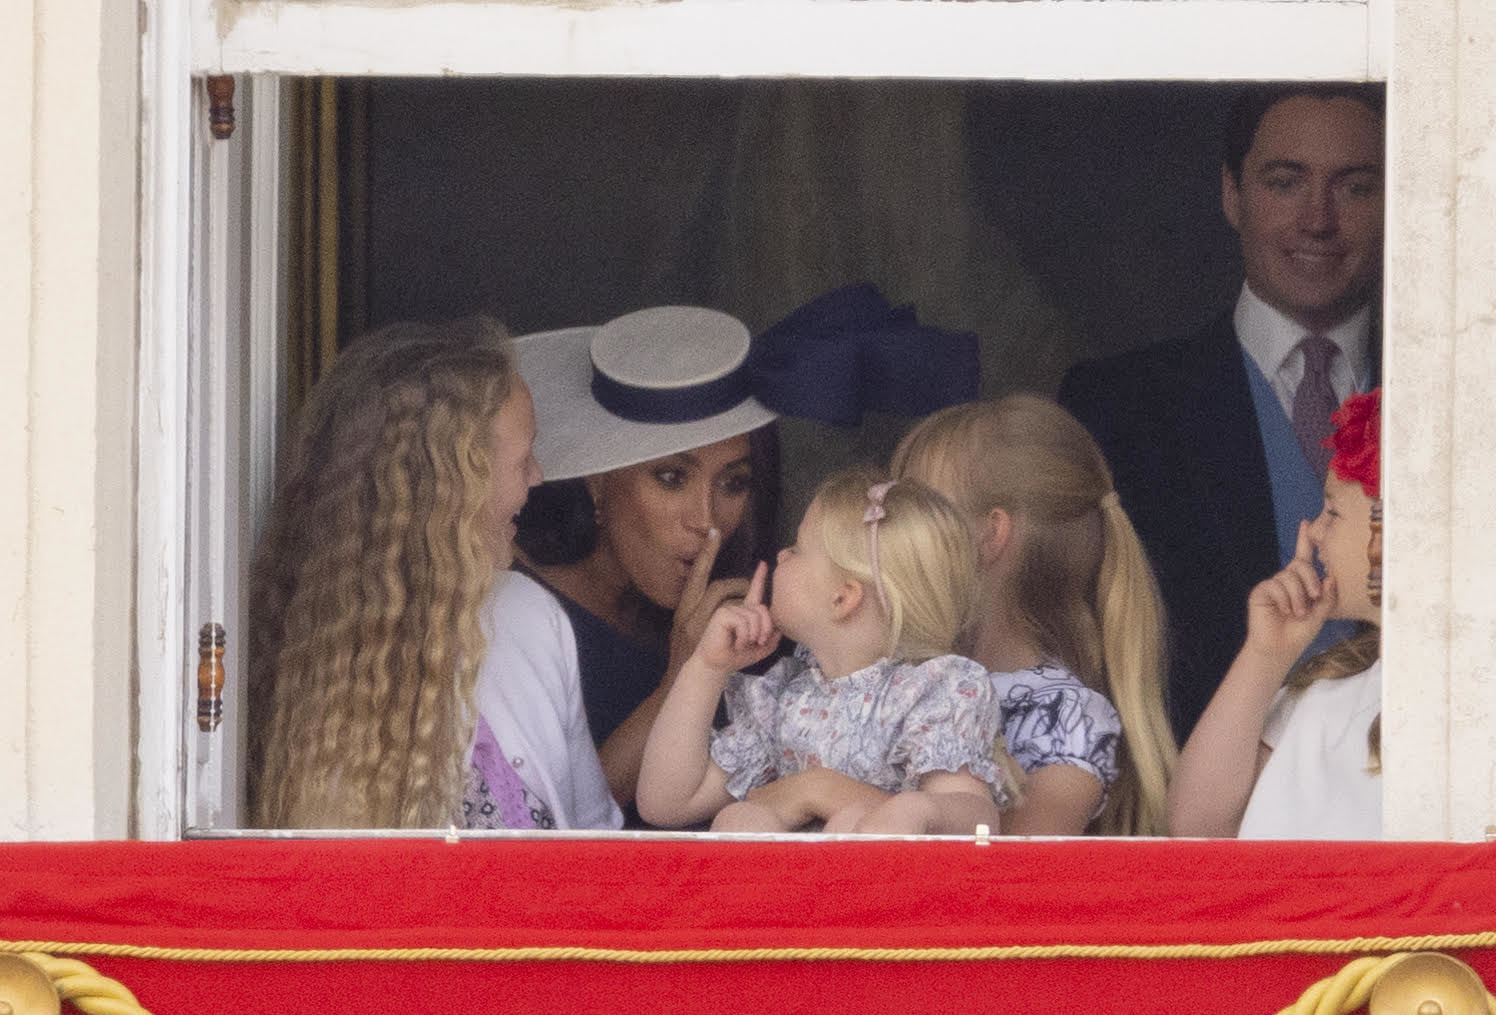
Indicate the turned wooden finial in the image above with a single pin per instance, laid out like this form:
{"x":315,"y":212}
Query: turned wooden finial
{"x":1429,"y":983}
{"x":25,"y":988}
{"x":210,"y":676}
{"x":221,"y":105}
{"x":1374,"y":553}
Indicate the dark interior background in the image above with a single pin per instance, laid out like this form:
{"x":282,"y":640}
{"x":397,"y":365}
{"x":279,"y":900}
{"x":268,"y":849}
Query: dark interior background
{"x":1057,"y":221}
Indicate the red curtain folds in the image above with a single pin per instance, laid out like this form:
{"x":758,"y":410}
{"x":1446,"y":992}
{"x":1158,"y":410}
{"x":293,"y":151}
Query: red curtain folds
{"x":670,"y":925}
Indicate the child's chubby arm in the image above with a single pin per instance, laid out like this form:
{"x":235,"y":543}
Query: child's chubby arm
{"x":946,"y":803}
{"x":1057,"y":800}
{"x":814,"y":795}
{"x":1219,"y":765}
{"x":679,"y":784}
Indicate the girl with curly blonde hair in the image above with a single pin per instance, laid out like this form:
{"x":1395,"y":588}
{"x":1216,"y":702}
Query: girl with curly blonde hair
{"x":391,"y":525}
{"x":1069,"y":619}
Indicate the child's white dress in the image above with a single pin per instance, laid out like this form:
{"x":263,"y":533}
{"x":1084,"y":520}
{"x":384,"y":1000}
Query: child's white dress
{"x":886,"y":725}
{"x":1315,"y":784}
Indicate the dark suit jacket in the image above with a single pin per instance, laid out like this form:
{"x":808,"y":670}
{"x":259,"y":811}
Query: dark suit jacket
{"x":1177,"y":425}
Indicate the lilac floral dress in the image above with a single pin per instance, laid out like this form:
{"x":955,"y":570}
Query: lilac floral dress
{"x":495,"y":796}
{"x":887,"y":725}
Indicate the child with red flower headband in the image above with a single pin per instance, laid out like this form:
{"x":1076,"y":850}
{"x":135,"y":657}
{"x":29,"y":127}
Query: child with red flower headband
{"x":1299,"y":758}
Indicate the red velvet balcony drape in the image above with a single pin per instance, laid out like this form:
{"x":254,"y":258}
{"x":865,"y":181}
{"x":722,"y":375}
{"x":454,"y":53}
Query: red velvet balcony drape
{"x":578,"y":925}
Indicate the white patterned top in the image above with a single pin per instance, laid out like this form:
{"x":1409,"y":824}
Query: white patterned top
{"x":1051,"y":718}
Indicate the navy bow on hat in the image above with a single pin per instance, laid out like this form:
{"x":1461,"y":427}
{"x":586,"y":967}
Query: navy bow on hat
{"x":838,"y":356}
{"x":850,"y":351}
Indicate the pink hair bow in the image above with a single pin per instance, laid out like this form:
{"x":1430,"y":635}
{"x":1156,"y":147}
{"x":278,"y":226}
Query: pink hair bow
{"x":872,"y":516}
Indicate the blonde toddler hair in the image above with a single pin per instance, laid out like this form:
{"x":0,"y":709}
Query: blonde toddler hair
{"x":926,"y":559}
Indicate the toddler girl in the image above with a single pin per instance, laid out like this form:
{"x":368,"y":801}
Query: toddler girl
{"x":1069,"y":618}
{"x":874,"y":590}
{"x":1300,"y":759}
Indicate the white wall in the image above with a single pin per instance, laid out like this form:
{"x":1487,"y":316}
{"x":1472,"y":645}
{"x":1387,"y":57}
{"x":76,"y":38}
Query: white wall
{"x":1439,"y":726}
{"x":67,"y":225}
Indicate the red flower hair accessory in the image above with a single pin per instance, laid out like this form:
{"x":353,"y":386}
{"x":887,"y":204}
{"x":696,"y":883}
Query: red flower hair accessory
{"x":1357,"y":441}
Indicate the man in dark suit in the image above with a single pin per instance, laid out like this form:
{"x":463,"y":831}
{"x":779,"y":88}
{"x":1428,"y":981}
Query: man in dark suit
{"x":1204,"y":434}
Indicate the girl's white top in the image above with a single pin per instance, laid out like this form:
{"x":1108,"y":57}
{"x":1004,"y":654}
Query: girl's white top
{"x":530,"y":691}
{"x":1315,"y":784}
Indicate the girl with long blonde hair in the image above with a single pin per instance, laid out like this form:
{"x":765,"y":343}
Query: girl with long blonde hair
{"x":391,"y":524}
{"x":1069,"y":620}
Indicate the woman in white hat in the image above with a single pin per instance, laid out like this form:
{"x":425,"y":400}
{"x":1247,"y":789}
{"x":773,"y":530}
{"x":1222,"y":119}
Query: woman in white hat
{"x":658,"y":423}
{"x":666,"y":472}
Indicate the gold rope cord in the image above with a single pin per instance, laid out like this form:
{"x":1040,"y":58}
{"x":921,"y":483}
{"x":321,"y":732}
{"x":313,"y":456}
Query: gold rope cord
{"x":1247,"y":949}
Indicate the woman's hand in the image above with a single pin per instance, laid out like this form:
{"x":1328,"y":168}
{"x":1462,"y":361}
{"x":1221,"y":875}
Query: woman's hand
{"x":739,"y":634}
{"x":1286,"y":611}
{"x":698,"y":602}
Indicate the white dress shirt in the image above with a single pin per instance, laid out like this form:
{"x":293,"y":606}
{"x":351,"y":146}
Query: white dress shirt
{"x":1272,"y":339}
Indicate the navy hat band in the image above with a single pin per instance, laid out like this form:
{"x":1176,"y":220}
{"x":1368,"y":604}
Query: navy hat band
{"x":671,"y":405}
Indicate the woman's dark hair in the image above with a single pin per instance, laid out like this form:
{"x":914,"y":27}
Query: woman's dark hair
{"x":559,"y":524}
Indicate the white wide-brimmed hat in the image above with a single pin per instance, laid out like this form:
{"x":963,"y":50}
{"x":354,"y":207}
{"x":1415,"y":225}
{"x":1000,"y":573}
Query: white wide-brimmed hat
{"x":643,"y":386}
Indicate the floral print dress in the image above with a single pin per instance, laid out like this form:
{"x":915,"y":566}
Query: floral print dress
{"x":887,"y":725}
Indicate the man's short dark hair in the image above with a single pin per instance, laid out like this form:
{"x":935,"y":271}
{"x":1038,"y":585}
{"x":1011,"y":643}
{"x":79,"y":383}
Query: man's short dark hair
{"x":1253,"y":102}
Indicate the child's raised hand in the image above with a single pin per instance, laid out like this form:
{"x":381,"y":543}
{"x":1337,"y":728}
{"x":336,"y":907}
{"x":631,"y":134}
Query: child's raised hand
{"x":739,"y":633}
{"x":1286,"y":611}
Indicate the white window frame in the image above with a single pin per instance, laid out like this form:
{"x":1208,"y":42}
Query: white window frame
{"x":1102,"y":40}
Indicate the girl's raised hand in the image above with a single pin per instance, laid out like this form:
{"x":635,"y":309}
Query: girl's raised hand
{"x":739,"y":634}
{"x":1285,"y":612}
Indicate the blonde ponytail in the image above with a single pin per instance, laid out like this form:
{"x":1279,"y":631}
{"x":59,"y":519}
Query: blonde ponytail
{"x":1132,"y":648}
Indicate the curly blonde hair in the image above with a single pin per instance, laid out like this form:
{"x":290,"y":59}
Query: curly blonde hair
{"x":367,"y":583}
{"x":1084,"y":587}
{"x":926,"y":559}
